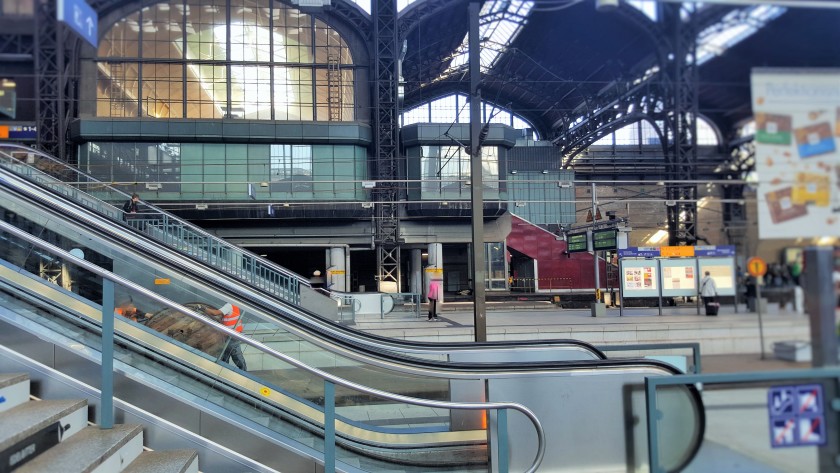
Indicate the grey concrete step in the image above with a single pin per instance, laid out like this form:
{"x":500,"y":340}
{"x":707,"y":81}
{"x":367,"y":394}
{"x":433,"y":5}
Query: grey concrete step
{"x":14,"y":390}
{"x":51,"y":421}
{"x":91,"y":449}
{"x":172,"y":461}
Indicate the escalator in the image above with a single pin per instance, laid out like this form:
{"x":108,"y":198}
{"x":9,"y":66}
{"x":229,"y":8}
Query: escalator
{"x":160,"y":371}
{"x":278,"y":400}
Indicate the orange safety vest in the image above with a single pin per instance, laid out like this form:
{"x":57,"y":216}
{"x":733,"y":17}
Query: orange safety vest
{"x":232,"y":318}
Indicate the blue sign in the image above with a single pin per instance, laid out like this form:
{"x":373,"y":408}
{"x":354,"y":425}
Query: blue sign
{"x":722,"y":250}
{"x":639,"y":252}
{"x":796,"y":416}
{"x":79,"y":16}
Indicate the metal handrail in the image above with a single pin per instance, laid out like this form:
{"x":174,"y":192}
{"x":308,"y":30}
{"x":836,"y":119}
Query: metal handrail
{"x":694,"y":346}
{"x":113,"y":278}
{"x":213,"y":242}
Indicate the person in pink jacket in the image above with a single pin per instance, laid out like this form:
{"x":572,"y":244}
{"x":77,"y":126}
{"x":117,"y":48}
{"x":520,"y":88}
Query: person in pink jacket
{"x":434,"y":297}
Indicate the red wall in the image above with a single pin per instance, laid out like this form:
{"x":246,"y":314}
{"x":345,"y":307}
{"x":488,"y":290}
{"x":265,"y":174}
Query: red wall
{"x":552,"y":263}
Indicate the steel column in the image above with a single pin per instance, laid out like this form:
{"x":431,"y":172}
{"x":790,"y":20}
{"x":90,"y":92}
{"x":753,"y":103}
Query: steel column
{"x":385,"y":165}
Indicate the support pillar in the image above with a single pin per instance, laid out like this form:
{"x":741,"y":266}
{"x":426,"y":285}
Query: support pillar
{"x":336,"y":269}
{"x":416,"y":277}
{"x":479,"y":264}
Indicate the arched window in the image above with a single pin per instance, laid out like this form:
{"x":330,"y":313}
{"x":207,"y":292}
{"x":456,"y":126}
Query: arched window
{"x":187,"y":59}
{"x":642,"y":133}
{"x":455,"y":108}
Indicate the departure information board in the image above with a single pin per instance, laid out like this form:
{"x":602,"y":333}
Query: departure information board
{"x":576,"y":242}
{"x":604,"y":239}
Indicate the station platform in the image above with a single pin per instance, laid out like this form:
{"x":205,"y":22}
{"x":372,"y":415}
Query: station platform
{"x":729,"y":333}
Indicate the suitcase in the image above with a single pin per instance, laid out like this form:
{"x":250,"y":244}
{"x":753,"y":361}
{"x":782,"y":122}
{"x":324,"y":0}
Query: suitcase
{"x":712,"y":308}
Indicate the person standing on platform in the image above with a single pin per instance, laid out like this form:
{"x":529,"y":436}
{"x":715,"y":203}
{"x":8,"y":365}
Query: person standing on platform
{"x":434,"y":297}
{"x":708,"y":289}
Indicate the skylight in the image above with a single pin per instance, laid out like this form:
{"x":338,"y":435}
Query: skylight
{"x":501,"y":22}
{"x":365,"y":4}
{"x":734,"y":28}
{"x":647,"y":7}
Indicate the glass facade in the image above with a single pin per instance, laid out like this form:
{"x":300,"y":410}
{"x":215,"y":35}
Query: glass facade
{"x":267,"y":61}
{"x":445,"y":172}
{"x":496,"y":266}
{"x":216,"y":171}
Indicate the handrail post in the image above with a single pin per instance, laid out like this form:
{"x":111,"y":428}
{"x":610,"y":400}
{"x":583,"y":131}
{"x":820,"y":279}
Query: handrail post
{"x":652,"y":428}
{"x":329,"y":427}
{"x":106,"y":415}
{"x":502,"y":434}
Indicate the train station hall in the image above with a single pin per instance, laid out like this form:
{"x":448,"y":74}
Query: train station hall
{"x":418,"y":236}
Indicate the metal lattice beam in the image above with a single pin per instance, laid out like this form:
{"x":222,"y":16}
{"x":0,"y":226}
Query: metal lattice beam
{"x":682,"y":75}
{"x":386,"y":221}
{"x":47,"y":91}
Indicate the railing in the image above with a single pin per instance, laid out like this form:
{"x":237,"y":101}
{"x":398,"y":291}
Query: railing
{"x":827,"y":375}
{"x":109,"y":280}
{"x":532,"y":284}
{"x":154,"y":222}
{"x":400,"y":302}
{"x":693,"y":346}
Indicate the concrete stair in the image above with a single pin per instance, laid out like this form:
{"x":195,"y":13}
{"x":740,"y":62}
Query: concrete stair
{"x":54,"y":436}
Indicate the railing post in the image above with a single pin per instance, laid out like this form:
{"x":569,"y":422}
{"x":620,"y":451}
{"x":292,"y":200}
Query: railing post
{"x":653,"y":433}
{"x":502,"y":433}
{"x":106,"y":415}
{"x":329,"y":427}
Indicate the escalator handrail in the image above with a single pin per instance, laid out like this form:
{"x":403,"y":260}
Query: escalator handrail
{"x":285,"y":358}
{"x":220,"y":241}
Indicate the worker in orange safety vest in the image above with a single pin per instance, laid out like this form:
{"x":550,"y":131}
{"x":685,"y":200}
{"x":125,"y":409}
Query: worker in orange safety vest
{"x":232,"y":319}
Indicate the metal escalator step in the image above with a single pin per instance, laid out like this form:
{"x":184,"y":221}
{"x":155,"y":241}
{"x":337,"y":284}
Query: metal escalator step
{"x":92,"y":448}
{"x":173,"y":461}
{"x":14,"y":390}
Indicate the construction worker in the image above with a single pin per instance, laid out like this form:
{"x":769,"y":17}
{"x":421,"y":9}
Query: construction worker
{"x":232,"y":319}
{"x":130,"y":311}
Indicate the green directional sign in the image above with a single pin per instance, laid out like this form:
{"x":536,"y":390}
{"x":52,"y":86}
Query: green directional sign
{"x":604,"y":239}
{"x":576,"y":242}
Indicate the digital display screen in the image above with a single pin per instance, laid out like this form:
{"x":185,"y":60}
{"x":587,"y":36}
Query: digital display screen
{"x":576,"y":242}
{"x":604,"y":239}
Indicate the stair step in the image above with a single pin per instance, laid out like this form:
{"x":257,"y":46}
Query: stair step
{"x":14,"y":390}
{"x":172,"y":461}
{"x":35,"y":426}
{"x":91,"y":449}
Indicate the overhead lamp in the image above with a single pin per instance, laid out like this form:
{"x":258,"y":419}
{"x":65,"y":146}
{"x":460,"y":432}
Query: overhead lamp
{"x":263,"y":184}
{"x":201,"y":206}
{"x":606,"y":5}
{"x":513,"y":171}
{"x":545,"y":171}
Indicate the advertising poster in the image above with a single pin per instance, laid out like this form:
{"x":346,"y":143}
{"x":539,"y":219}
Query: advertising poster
{"x":722,"y":271}
{"x":679,"y":277}
{"x":796,"y":151}
{"x":639,"y":278}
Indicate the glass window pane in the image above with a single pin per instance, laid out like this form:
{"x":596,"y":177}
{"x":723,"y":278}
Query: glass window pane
{"x":292,"y":93}
{"x":162,"y":32}
{"x":162,"y":95}
{"x":206,"y":91}
{"x":117,"y":90}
